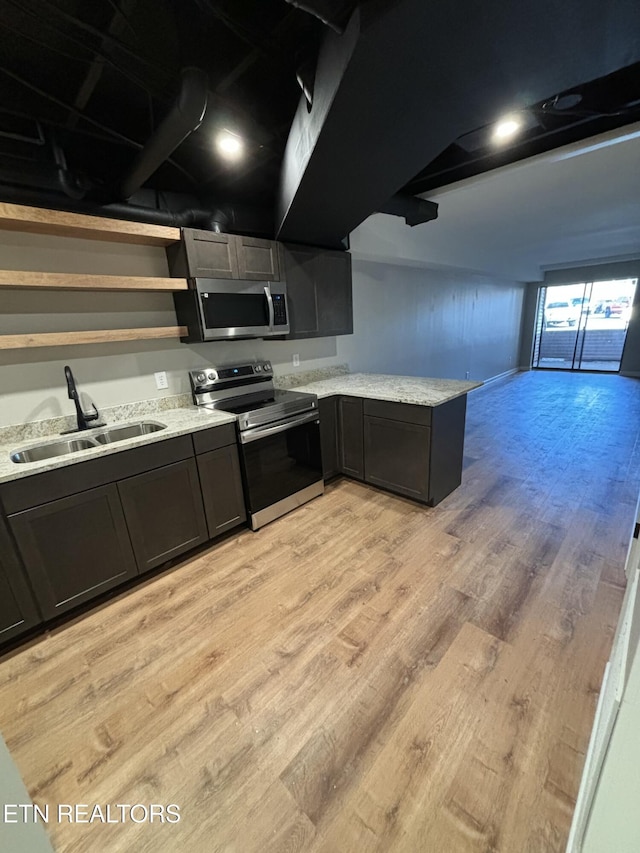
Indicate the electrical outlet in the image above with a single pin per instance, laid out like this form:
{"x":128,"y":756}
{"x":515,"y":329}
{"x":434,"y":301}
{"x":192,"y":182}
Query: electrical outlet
{"x":161,"y":380}
{"x":296,"y":359}
{"x":467,"y":375}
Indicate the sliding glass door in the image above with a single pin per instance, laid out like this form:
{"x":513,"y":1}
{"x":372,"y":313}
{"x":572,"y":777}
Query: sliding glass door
{"x":583,"y":326}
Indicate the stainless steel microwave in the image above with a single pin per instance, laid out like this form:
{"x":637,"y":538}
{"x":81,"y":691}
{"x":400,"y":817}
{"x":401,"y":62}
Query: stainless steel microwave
{"x":222,"y":309}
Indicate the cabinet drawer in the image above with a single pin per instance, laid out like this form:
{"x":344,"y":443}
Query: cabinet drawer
{"x":212,"y":439}
{"x":18,"y":495}
{"x":404,"y":412}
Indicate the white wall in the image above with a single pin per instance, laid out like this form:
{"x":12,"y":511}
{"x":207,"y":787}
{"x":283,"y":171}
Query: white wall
{"x":414,"y":317}
{"x":419,"y":321}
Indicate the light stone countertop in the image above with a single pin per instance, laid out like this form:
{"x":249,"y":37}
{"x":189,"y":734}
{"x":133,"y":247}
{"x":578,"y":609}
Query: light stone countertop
{"x":417,"y":390}
{"x":187,"y":418}
{"x":179,"y":421}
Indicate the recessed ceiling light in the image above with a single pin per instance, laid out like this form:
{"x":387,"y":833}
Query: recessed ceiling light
{"x":506,"y":128}
{"x":230,"y":145}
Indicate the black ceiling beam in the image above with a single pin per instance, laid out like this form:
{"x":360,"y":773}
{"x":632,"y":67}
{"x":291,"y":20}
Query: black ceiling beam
{"x":415,"y":211}
{"x":333,"y":13}
{"x":119,"y":23}
{"x":184,"y":117}
{"x":406,"y":79}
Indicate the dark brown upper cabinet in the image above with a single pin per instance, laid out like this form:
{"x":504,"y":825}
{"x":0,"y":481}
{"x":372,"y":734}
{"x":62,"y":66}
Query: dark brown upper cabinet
{"x":319,"y":291}
{"x":258,"y":259}
{"x":208,"y":254}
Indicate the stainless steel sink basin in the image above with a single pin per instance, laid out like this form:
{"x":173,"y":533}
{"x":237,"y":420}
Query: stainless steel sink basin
{"x":120,"y":433}
{"x":52,"y":449}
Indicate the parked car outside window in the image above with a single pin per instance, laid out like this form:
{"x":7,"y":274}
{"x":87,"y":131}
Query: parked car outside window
{"x":557,"y":313}
{"x":608,"y":307}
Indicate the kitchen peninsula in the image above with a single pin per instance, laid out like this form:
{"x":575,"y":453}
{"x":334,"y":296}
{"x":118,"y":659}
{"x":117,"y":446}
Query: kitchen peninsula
{"x":404,"y":434}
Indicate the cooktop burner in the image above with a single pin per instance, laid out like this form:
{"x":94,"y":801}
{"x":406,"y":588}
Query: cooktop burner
{"x":247,"y":391}
{"x":277,"y":398}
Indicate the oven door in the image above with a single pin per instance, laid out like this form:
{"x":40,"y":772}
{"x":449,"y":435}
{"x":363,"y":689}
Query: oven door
{"x":281,"y":466}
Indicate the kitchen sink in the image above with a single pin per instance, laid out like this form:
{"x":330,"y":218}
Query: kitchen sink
{"x":120,"y":433}
{"x":51,"y":449}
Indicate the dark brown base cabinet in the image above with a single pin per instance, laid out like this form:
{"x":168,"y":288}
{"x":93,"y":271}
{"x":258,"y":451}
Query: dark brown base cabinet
{"x":397,"y":457}
{"x":18,"y":610}
{"x":164,"y":513}
{"x":74,"y":548}
{"x":224,"y":507}
{"x":351,"y":438}
{"x":83,"y":530}
{"x":329,"y":436}
{"x":412,"y":450}
{"x":220,"y":478}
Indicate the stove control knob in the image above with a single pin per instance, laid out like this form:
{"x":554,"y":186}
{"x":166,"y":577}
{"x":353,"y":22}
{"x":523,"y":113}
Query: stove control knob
{"x":258,"y":368}
{"x":200,"y":378}
{"x":267,"y":366}
{"x":211,"y":377}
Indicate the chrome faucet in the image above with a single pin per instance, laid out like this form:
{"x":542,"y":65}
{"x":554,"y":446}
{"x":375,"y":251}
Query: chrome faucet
{"x":83,"y":419}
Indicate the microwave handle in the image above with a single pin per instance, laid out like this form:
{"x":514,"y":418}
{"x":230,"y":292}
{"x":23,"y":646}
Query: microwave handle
{"x":267,"y":293}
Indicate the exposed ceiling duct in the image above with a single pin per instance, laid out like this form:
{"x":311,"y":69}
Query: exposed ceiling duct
{"x":184,"y":117}
{"x":405,"y":80}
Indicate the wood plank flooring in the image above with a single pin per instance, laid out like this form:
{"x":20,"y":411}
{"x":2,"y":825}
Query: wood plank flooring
{"x":365,"y":674}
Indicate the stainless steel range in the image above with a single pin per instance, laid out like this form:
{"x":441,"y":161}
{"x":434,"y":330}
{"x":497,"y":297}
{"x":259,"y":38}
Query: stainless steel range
{"x":278,"y":432}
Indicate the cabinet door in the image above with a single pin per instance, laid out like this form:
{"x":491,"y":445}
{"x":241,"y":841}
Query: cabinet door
{"x":319,"y":291}
{"x":351,"y":438}
{"x":300,"y":270}
{"x":329,"y":436}
{"x":18,"y":611}
{"x":396,"y":456}
{"x":258,"y":259}
{"x":447,"y":448}
{"x":334,"y":293}
{"x":222,"y":489}
{"x":164,"y":513}
{"x":75,"y":548}
{"x":211,"y":255}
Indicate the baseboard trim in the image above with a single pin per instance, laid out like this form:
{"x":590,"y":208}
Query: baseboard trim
{"x":499,"y":377}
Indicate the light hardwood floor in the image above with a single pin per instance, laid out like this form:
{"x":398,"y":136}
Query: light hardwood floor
{"x":365,"y":674}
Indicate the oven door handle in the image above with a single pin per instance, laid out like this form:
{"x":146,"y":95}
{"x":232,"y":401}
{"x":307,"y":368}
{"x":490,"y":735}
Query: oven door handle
{"x":264,"y":432}
{"x":267,"y":293}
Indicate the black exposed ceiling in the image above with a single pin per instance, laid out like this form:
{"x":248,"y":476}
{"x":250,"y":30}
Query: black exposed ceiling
{"x":404,"y":97}
{"x":98,"y":77}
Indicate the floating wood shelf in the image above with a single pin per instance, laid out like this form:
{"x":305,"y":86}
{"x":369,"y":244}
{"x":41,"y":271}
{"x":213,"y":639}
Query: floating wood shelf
{"x":22,"y":279}
{"x":104,"y":336}
{"x":38,"y":220}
